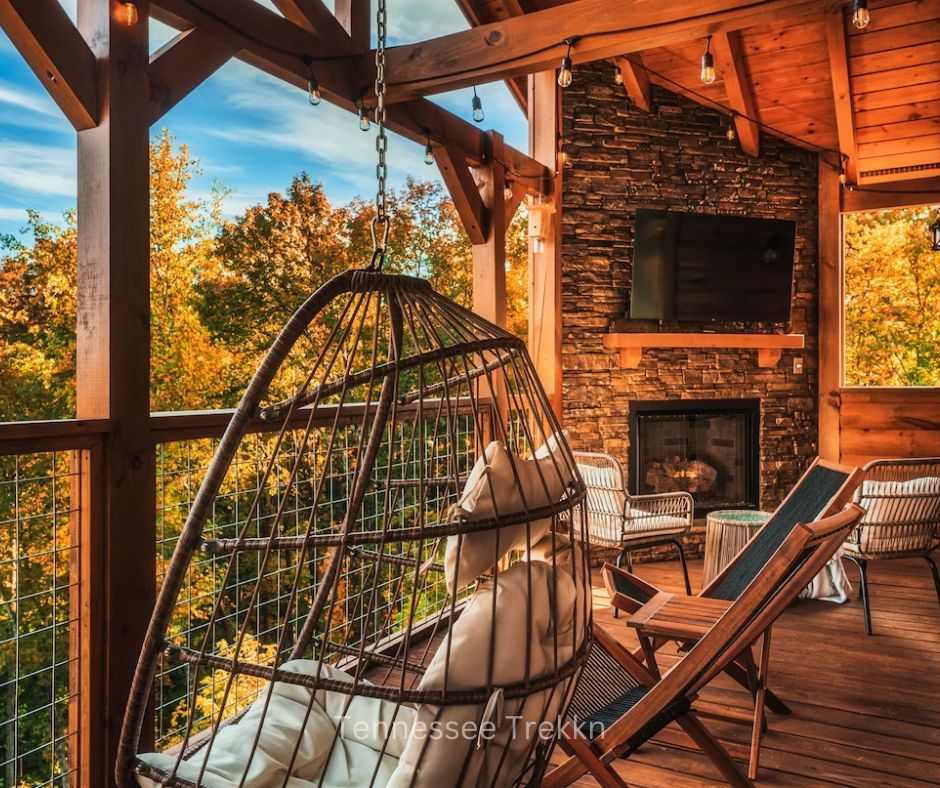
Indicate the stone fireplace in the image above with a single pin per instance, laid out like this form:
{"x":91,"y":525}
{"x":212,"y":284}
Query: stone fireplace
{"x":709,"y":448}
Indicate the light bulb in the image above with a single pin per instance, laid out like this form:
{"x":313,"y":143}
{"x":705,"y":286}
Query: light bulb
{"x":843,"y":176}
{"x":861,"y":18}
{"x":313,"y":92}
{"x":618,"y":76}
{"x":129,"y":15}
{"x":477,"y":106}
{"x":708,"y":63}
{"x":364,"y":122}
{"x":731,"y":134}
{"x":507,"y":191}
{"x":429,"y":154}
{"x":564,"y":73}
{"x":708,"y":68}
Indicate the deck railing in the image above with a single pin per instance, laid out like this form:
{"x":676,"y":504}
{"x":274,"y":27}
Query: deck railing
{"x":49,"y":544}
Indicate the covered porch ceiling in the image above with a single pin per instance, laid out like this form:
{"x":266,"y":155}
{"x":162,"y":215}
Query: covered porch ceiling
{"x":802,"y":71}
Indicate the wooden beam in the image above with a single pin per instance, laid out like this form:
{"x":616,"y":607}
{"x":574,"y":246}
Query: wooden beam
{"x":57,"y":53}
{"x":279,"y":47}
{"x":545,"y":316}
{"x":314,"y":17}
{"x":113,"y":354}
{"x":830,"y":312}
{"x":901,"y":194}
{"x":489,"y":256}
{"x":729,"y":55}
{"x":181,"y":65}
{"x":842,"y":89}
{"x":356,"y":18}
{"x":636,"y":80}
{"x":535,"y":42}
{"x":463,"y":191}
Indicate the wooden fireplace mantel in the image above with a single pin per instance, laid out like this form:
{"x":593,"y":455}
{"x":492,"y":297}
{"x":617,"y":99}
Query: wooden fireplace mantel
{"x":769,"y":347}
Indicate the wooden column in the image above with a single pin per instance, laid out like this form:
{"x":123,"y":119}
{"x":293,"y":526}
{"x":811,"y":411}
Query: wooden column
{"x":830,"y":312}
{"x":545,"y":320}
{"x":113,"y":364}
{"x":489,"y":257}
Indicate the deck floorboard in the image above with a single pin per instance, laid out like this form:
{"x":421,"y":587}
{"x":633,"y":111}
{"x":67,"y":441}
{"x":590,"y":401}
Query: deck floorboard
{"x":866,"y":710}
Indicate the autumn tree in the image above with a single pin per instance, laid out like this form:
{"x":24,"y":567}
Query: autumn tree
{"x":892,"y":290}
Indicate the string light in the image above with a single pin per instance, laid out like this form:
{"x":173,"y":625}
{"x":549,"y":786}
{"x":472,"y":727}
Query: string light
{"x":429,"y":152}
{"x":861,"y":18}
{"x":476,"y":105}
{"x":129,"y":14}
{"x":562,"y":153}
{"x":731,"y":133}
{"x":708,"y":63}
{"x":564,"y":72}
{"x":364,"y":122}
{"x":507,"y":190}
{"x":843,"y":175}
{"x":618,"y":75}
{"x":313,"y":91}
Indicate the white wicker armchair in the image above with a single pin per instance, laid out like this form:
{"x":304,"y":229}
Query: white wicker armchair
{"x":630,"y":522}
{"x":901,"y":499}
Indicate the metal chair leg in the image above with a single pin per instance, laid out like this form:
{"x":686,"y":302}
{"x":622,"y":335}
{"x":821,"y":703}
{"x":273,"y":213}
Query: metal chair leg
{"x":862,"y":565}
{"x":685,"y":568}
{"x":936,"y":575}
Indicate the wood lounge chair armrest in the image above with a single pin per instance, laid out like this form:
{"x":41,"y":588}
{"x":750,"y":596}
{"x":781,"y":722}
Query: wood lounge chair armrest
{"x":627,"y":591}
{"x":678,"y":617}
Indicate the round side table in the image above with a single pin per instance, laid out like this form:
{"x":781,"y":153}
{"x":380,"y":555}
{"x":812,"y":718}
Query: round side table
{"x":726,"y":533}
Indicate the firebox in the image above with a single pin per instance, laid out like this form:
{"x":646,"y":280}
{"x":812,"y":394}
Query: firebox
{"x":709,"y":448}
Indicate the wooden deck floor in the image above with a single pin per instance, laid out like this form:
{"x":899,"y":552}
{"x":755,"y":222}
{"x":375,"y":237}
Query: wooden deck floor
{"x":866,"y":709}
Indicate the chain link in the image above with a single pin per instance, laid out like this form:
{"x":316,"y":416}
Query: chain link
{"x":380,"y":224}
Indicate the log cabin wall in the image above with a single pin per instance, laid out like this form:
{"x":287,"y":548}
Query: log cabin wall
{"x":676,"y":157}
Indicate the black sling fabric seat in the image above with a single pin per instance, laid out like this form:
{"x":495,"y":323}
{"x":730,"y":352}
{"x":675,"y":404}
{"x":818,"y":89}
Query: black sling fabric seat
{"x":814,"y":492}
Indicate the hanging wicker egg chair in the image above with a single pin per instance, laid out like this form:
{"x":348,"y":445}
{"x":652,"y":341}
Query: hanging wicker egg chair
{"x":405,"y":591}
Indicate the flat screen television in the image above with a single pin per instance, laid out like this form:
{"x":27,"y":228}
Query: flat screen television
{"x":693,"y":267}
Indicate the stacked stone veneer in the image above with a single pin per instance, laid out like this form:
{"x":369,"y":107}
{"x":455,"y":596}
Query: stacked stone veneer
{"x":676,"y":157}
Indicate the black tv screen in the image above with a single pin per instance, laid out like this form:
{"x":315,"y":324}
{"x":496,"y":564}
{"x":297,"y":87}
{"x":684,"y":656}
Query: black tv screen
{"x":703,"y":267}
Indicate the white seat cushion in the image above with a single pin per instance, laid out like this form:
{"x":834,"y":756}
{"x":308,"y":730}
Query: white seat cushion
{"x":640,"y":522}
{"x":351,"y":763}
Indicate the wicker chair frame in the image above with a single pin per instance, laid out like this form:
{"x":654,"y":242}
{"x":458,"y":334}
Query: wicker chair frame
{"x":631,"y":522}
{"x":898,"y":523}
{"x":407,"y":363}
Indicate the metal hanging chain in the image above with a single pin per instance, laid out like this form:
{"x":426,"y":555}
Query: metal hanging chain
{"x":381,"y":222}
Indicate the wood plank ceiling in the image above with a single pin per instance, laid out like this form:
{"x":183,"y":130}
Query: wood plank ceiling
{"x":889,"y":128}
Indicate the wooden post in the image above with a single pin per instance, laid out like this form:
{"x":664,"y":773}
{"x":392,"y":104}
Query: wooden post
{"x":489,"y":257}
{"x":545,"y":319}
{"x":113,"y":358}
{"x":830,"y":312}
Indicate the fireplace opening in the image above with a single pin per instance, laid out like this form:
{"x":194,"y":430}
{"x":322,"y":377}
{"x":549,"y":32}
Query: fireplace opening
{"x":708,"y":448}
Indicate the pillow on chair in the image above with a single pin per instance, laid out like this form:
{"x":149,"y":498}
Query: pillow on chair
{"x":501,"y":484}
{"x":906,"y":514}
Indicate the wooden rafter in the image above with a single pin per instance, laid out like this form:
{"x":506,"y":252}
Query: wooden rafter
{"x":356,"y":18}
{"x":314,"y":17}
{"x":729,"y":55}
{"x":57,"y":53}
{"x":636,"y":80}
{"x":455,"y":172}
{"x":279,"y":47}
{"x":535,"y":41}
{"x":842,"y":90}
{"x":183,"y":64}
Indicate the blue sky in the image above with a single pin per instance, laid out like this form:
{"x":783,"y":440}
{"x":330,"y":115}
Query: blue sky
{"x":249,"y":131}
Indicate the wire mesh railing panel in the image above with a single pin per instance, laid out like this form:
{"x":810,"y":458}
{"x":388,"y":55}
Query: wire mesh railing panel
{"x":39,"y":549}
{"x":304,"y":489}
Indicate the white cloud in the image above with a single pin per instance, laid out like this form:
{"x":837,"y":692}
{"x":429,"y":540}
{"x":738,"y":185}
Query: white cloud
{"x":37,"y":101}
{"x":9,"y":214}
{"x":37,"y":169}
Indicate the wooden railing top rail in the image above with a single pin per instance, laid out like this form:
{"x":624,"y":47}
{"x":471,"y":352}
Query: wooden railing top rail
{"x":25,"y":437}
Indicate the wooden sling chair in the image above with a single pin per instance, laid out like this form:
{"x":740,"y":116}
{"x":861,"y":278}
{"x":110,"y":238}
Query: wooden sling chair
{"x":823,"y":489}
{"x":619,"y":704}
